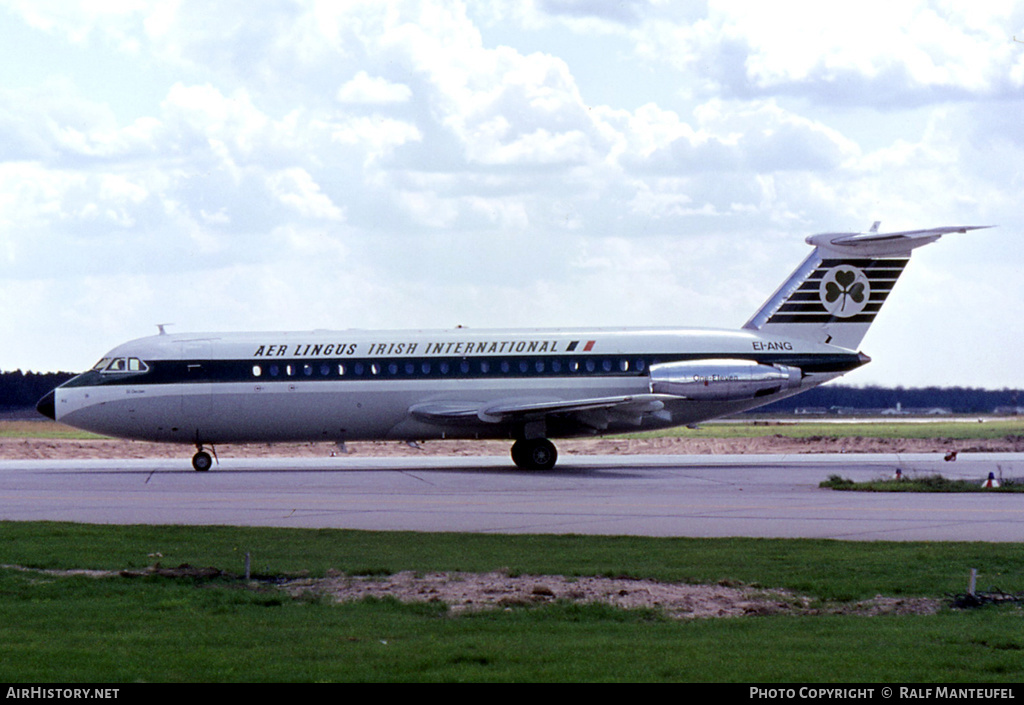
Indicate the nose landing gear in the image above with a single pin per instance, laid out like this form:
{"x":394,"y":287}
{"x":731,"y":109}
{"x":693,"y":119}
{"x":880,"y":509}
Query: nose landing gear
{"x":201,"y":461}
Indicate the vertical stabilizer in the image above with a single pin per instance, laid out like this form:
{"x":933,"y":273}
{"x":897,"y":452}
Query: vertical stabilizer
{"x":835,"y":294}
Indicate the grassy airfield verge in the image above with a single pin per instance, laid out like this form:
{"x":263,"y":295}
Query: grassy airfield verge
{"x":43,"y":429}
{"x":927,"y":483}
{"x":57,"y":627}
{"x":983,"y":428}
{"x":980,"y":429}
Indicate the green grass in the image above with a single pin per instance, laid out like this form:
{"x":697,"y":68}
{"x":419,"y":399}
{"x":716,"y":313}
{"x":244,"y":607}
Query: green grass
{"x":992,"y":428}
{"x":64,"y":629}
{"x":43,"y":429}
{"x":111,"y":631}
{"x":989,"y":428}
{"x":838,"y":570}
{"x":927,"y":483}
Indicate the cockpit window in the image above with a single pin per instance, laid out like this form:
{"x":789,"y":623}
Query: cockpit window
{"x":121,"y":365}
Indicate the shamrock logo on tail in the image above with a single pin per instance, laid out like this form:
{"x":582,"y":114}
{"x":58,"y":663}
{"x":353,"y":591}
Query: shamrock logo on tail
{"x":845,"y":285}
{"x":845,"y":291}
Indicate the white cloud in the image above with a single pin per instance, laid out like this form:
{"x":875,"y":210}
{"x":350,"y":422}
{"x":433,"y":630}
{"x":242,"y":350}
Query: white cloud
{"x":203,"y":114}
{"x":453,"y":162}
{"x":295,"y":188}
{"x":375,"y":90}
{"x":376,"y":135}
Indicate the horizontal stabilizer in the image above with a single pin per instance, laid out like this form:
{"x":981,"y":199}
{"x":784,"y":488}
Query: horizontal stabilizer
{"x":875,"y":243}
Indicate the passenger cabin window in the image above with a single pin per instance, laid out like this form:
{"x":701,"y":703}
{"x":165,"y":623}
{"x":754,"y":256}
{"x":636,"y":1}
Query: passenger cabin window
{"x":418,"y":367}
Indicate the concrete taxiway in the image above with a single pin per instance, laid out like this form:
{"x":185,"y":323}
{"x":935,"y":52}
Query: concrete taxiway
{"x":699,"y":496}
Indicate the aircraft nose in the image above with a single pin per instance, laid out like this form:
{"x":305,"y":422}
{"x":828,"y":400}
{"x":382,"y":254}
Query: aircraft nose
{"x":47,"y":406}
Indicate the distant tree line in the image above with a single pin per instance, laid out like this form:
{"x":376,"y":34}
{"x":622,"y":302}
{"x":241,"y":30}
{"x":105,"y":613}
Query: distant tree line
{"x":958,"y":400}
{"x":22,"y":390}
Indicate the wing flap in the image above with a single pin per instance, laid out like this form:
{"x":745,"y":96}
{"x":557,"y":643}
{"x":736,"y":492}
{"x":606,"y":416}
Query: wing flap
{"x":516,"y":408}
{"x":593,"y":412}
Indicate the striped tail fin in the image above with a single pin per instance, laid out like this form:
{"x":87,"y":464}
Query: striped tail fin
{"x":835,"y":294}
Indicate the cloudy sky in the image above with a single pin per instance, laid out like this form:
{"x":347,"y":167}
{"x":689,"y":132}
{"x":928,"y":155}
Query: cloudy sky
{"x":503,"y":163}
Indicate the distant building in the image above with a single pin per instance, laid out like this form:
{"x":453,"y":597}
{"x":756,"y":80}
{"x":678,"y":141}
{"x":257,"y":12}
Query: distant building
{"x":917,"y":411}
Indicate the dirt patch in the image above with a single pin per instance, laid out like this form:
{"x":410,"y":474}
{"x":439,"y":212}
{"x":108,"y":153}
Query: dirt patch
{"x":466,"y":592}
{"x":480,"y":591}
{"x":55,"y":449}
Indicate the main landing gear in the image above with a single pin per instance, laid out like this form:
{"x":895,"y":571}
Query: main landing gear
{"x":534,"y":454}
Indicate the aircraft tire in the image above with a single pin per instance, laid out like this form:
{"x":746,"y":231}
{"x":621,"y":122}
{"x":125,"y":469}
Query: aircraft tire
{"x":517,"y":454}
{"x":201,"y":461}
{"x":534,"y":454}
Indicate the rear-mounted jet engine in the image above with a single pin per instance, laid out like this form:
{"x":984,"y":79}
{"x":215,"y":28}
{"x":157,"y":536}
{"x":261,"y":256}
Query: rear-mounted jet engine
{"x":722,"y":380}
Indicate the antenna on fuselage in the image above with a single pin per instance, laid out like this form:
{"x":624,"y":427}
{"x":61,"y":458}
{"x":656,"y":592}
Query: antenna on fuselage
{"x":160,"y":327}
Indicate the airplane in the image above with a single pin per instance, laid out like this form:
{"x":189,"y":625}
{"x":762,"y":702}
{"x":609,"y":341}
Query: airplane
{"x":527,"y":385}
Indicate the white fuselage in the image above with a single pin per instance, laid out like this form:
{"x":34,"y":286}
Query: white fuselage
{"x":417,"y":385}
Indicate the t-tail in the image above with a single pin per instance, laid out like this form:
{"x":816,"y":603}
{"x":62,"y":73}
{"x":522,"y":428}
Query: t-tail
{"x":834,"y":296}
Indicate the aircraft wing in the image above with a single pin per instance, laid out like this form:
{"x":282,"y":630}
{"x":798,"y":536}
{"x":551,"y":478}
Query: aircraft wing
{"x":597,"y":412}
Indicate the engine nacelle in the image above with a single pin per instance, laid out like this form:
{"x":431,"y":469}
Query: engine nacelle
{"x":722,"y":380}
